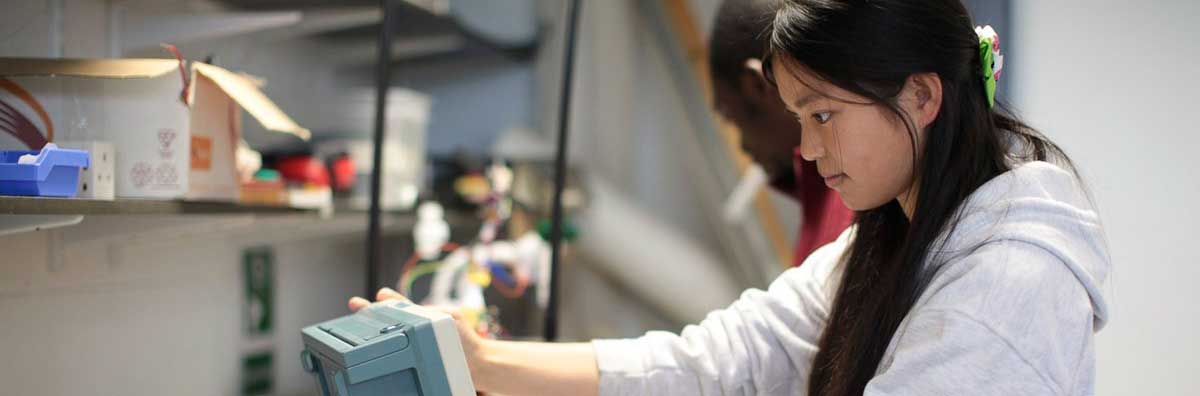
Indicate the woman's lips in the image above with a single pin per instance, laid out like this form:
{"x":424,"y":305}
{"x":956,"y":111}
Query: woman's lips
{"x":835,"y":180}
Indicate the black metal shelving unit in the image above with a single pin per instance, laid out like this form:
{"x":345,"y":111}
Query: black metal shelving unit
{"x":560,"y":170}
{"x":391,"y":11}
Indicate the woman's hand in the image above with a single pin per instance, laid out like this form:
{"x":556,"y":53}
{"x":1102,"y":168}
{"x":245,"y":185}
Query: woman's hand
{"x":472,"y":343}
{"x":517,"y":368}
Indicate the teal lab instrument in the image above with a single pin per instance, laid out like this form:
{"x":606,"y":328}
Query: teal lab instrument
{"x":387,"y":348}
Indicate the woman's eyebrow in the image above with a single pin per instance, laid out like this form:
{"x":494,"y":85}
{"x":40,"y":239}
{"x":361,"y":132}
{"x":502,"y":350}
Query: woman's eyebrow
{"x":806,"y":100}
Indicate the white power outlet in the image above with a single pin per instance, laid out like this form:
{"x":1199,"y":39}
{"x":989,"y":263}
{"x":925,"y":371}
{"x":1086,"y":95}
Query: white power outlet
{"x":96,"y":181}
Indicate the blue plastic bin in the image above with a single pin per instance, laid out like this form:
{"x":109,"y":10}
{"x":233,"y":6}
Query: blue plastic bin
{"x":54,"y":174}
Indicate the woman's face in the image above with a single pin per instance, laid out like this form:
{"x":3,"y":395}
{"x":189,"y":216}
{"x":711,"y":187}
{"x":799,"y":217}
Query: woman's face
{"x":863,"y":150}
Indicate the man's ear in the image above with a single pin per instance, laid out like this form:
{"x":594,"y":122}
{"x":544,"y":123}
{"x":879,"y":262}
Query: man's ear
{"x":755,"y":65}
{"x":753,"y":85}
{"x":924,"y":91}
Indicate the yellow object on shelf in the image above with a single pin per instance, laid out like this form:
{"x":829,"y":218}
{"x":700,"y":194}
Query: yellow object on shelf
{"x":479,"y":277}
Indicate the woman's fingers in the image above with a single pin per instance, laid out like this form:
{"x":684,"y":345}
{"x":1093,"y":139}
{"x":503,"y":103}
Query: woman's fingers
{"x":385,"y":294}
{"x":357,"y":303}
{"x":452,"y":311}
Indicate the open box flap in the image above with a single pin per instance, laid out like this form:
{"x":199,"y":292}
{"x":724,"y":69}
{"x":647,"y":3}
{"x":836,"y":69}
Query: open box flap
{"x":246,"y":93}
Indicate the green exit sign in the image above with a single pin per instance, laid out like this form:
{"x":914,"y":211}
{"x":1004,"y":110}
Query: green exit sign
{"x":258,"y":268}
{"x":258,"y":374}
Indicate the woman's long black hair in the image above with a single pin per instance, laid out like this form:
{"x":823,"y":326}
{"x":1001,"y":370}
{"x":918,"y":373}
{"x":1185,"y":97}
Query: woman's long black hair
{"x":870,"y":48}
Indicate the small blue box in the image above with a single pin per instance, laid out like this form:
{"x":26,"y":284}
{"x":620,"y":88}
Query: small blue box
{"x":54,"y":174}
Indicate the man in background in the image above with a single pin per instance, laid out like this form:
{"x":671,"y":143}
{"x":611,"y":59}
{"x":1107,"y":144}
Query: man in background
{"x":769,"y":134}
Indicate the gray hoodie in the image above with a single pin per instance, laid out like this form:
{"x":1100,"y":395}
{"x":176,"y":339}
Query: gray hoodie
{"x":1011,"y":310}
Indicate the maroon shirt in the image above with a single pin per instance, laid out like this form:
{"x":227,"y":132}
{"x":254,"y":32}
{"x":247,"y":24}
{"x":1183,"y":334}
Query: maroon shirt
{"x":824,"y":214}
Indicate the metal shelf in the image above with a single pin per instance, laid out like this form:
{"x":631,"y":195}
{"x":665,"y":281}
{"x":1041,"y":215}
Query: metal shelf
{"x":65,"y":206}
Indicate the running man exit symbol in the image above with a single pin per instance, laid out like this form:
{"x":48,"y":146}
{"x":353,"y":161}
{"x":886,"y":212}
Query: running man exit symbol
{"x":258,"y":267}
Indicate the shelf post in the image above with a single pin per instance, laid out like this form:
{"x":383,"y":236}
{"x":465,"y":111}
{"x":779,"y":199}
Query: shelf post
{"x":560,"y":171}
{"x":382,"y":83}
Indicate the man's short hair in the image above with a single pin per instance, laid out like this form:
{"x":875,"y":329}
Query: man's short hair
{"x":740,"y":32}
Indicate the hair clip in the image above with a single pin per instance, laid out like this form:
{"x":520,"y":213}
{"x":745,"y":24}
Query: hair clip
{"x":991,"y":59}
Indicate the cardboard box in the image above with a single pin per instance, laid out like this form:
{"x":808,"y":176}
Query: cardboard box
{"x":137,"y":105}
{"x":174,"y":136}
{"x":216,"y":125}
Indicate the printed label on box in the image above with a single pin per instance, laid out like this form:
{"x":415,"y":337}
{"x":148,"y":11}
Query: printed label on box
{"x":202,"y":152}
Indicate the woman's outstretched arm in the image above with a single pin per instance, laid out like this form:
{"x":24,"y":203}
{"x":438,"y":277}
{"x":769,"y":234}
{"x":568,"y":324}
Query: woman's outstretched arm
{"x":519,"y":368}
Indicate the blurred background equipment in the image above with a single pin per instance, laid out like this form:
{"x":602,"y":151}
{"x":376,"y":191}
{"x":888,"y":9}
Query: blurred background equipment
{"x":403,"y":147}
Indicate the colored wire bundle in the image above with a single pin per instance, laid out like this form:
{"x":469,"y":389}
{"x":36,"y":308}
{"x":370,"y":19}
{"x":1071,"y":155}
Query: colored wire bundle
{"x":411,"y":271}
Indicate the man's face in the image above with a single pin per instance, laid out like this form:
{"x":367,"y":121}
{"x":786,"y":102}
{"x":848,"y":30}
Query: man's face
{"x":769,"y":134}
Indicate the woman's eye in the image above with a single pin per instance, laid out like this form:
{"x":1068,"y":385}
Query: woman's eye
{"x":822,"y":117}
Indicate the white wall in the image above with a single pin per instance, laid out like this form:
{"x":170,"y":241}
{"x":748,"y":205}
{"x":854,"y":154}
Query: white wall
{"x":1115,"y":83}
{"x":473,"y":101}
{"x":152,"y":306}
{"x":53,"y":28}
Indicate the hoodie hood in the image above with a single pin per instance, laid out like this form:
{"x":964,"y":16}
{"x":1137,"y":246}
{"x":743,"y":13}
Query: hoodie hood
{"x":1044,"y":205}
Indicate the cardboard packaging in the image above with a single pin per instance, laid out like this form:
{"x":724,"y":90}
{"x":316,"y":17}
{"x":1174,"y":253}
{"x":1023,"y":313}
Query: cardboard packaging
{"x":174,"y":128}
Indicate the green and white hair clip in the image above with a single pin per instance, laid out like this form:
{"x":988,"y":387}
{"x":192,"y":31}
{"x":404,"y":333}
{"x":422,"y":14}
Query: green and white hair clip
{"x":992,"y":60}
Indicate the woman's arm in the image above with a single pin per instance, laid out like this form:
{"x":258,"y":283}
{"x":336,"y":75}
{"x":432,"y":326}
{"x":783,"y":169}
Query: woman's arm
{"x":762,"y":343}
{"x":519,"y":368}
{"x":537,"y":368}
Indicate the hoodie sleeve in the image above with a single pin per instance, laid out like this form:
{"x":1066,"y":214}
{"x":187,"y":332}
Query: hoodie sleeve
{"x":949,"y":353}
{"x":763,"y":343}
{"x":1008,"y":319}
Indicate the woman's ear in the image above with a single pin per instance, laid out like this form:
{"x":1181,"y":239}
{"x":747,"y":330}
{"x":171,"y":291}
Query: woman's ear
{"x":924,"y":94}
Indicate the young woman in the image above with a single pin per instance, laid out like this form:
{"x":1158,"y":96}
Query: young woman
{"x":975,"y":262}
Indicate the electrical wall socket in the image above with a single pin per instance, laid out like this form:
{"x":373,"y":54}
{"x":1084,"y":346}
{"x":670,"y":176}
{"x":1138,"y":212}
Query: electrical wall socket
{"x":96,"y":181}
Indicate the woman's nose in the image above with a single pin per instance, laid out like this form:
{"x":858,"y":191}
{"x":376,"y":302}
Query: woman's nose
{"x":811,"y":148}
